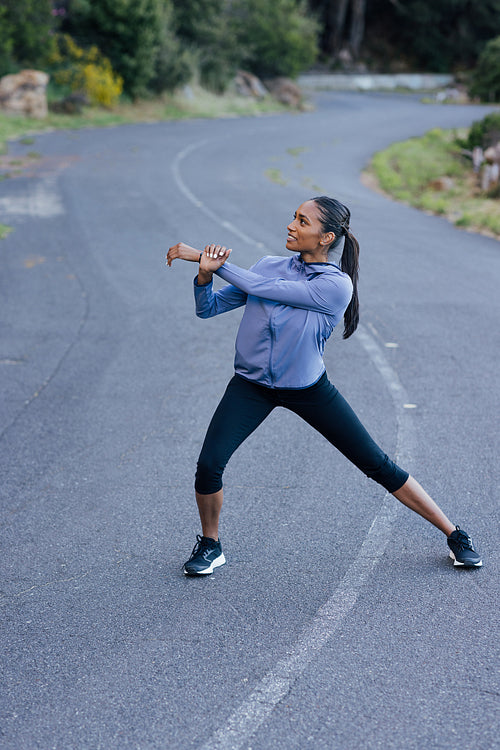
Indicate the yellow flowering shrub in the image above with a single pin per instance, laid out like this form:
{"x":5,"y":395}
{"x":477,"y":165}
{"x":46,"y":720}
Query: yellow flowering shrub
{"x":87,"y":71}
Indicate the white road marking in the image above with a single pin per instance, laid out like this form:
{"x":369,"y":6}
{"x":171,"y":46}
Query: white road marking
{"x":276,"y":683}
{"x":42,"y":200}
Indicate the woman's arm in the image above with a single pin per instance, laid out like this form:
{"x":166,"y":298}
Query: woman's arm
{"x":327,"y":293}
{"x":208,"y":303}
{"x":209,"y":260}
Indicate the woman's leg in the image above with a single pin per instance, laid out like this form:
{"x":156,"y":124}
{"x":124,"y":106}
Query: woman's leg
{"x":325,"y":409}
{"x":242,"y":409}
{"x":209,"y":508}
{"x":416,"y":498}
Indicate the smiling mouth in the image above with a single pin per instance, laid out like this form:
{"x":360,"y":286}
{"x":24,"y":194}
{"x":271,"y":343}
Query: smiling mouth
{"x":291,"y":237}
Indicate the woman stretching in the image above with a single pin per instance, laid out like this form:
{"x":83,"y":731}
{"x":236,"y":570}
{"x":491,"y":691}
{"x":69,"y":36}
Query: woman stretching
{"x":292,"y":306}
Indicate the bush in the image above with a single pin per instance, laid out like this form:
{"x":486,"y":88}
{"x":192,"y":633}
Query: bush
{"x":267,"y":38}
{"x":174,"y":65}
{"x":25,"y":33}
{"x":130,"y":32}
{"x":486,"y":76}
{"x":278,"y":38}
{"x":210,"y":30}
{"x":483,"y":133}
{"x":86,"y":71}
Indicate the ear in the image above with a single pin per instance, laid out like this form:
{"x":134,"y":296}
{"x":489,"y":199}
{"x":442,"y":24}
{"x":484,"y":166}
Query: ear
{"x":327,"y":239}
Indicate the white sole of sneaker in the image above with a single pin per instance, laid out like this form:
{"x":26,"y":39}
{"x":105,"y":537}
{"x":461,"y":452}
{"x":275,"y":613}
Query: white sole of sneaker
{"x":215,"y":564}
{"x":458,"y":564}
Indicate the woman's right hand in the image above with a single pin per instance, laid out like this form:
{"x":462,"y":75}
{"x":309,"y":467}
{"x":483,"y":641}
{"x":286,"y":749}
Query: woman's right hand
{"x":214,"y":256}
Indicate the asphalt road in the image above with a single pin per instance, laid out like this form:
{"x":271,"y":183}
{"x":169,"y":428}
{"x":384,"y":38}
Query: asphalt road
{"x":339,"y":622}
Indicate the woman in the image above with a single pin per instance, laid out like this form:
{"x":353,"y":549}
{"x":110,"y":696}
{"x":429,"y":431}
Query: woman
{"x":292,"y":306}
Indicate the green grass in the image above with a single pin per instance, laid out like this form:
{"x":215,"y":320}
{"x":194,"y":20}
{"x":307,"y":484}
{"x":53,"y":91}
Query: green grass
{"x":4,"y":231}
{"x":276,"y":176}
{"x":203,"y":104}
{"x":406,"y":171}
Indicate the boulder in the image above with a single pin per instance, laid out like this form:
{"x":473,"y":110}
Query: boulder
{"x":25,"y":93}
{"x":492,"y":154}
{"x":72,"y":104}
{"x":285,"y":91}
{"x":247,"y":84}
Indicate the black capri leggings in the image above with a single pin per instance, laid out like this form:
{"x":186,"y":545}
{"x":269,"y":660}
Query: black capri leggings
{"x":244,"y":407}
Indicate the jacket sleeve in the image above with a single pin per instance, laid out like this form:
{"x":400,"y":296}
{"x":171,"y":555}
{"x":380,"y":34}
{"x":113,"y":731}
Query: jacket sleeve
{"x":209,"y":303}
{"x":326,"y":293}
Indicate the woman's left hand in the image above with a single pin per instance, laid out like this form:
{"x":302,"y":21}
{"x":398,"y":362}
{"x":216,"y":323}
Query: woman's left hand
{"x":184,"y":252}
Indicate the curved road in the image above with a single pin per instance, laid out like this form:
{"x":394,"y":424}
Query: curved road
{"x":339,"y":622}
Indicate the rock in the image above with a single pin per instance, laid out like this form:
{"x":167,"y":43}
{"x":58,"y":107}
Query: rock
{"x":248,"y":85}
{"x":70,"y":105}
{"x":489,"y":176}
{"x":442,"y":183}
{"x":492,"y":154}
{"x":452,"y":95}
{"x":285,"y":91}
{"x":25,"y":93}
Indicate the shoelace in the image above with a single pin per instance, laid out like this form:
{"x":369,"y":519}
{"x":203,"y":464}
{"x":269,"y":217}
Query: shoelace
{"x":202,"y":545}
{"x":464,"y":541}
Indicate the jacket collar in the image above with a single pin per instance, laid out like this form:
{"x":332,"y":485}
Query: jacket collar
{"x":310,"y":269}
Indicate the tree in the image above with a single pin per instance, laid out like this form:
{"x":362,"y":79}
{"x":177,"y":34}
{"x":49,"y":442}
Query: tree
{"x":25,"y":32}
{"x":278,"y":38}
{"x":436,"y":35}
{"x":343,"y":24}
{"x":131,"y":33}
{"x":486,"y":76}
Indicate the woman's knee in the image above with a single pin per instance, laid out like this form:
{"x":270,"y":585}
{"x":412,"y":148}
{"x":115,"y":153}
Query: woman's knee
{"x":388,"y":474}
{"x":208,"y":477}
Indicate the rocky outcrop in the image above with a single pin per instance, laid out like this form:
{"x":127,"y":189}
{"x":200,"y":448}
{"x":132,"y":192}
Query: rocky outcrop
{"x":285,"y":91}
{"x":25,"y":93}
{"x":247,"y":84}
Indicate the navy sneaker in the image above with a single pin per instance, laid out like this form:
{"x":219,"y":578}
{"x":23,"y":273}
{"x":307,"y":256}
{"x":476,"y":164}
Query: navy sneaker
{"x":462,"y":550}
{"x":207,"y":555}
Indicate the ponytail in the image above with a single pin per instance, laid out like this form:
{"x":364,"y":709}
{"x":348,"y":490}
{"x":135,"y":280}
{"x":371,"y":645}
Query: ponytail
{"x":349,"y":263}
{"x":335,"y":217}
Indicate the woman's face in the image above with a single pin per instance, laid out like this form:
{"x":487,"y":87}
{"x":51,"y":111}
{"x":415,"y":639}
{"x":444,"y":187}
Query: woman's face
{"x":305,"y":233}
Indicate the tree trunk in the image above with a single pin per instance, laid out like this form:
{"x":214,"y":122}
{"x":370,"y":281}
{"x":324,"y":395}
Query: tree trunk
{"x":336,"y":12}
{"x":358,"y":10}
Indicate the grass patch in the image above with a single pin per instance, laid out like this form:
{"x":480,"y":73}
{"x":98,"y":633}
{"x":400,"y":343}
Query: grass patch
{"x":202,"y":104}
{"x":4,"y":231}
{"x":407,"y":170}
{"x":276,"y":176}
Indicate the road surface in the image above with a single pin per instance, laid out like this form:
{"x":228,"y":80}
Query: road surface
{"x":339,"y":622}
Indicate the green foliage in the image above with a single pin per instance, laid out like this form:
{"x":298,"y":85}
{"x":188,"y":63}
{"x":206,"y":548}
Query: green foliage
{"x":486,"y":76}
{"x":408,"y":172}
{"x":135,"y":35}
{"x":267,"y":38}
{"x":209,"y":29}
{"x":25,"y":33}
{"x":174,"y":64}
{"x":483,"y":133}
{"x":278,"y":38}
{"x":85,"y":71}
{"x":6,"y":43}
{"x":435,"y":35}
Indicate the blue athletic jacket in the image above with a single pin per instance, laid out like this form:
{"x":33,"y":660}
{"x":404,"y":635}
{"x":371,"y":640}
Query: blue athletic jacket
{"x":291,"y":308}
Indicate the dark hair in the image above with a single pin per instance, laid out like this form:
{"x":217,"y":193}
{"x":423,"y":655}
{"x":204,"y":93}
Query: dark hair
{"x":335,"y":217}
